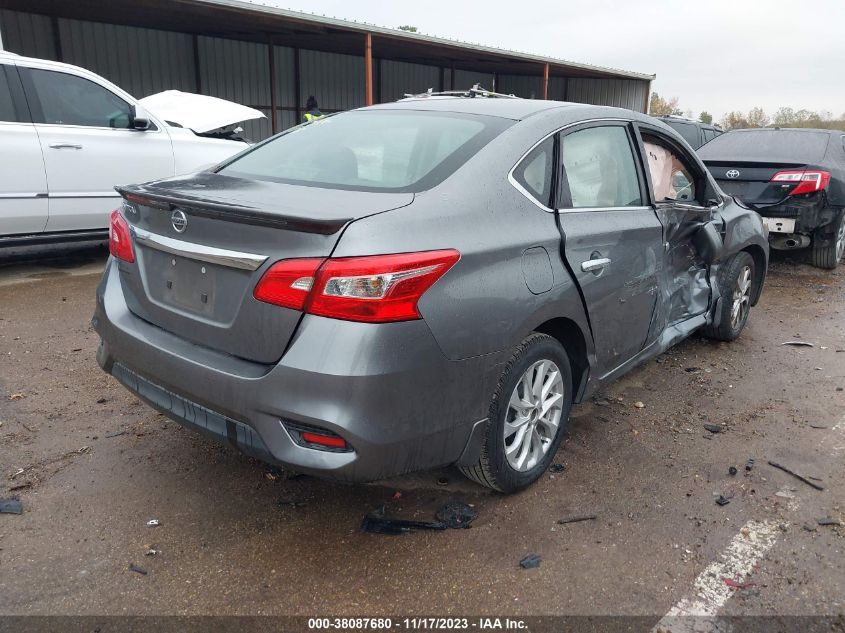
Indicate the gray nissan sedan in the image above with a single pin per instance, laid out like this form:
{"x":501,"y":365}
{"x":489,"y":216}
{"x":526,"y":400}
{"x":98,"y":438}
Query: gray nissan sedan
{"x":429,"y":282}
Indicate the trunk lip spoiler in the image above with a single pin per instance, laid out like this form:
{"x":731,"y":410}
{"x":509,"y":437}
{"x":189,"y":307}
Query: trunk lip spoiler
{"x":199,"y":252}
{"x":218,"y":210}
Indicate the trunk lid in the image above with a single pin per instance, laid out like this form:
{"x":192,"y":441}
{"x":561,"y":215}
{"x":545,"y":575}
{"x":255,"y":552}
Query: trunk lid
{"x":203,"y":242}
{"x":751,"y":181}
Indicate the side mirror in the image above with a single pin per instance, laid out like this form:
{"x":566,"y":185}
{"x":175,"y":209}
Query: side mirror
{"x":708,"y":243}
{"x":139,"y":119}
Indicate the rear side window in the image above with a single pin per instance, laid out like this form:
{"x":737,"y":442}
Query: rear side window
{"x":70,"y":100}
{"x":374,"y":150}
{"x":600,"y":168}
{"x":687,"y":130}
{"x":534,"y":173}
{"x":709,"y":134}
{"x":7,"y":108}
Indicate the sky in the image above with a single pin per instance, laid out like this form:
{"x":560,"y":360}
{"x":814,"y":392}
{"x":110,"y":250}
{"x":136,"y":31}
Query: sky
{"x":718,"y":56}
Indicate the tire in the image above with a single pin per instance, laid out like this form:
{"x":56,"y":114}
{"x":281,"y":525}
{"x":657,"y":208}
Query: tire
{"x":736,"y":280}
{"x":499,"y":466}
{"x":829,"y":255}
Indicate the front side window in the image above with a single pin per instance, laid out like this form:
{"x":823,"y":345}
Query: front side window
{"x":7,"y":108}
{"x":534,"y":173}
{"x":70,"y":100}
{"x":671,"y":178}
{"x":375,"y":150}
{"x":600,"y":168}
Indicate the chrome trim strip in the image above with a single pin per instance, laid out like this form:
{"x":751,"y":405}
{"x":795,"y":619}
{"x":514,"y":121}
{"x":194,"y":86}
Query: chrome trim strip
{"x":210,"y":254}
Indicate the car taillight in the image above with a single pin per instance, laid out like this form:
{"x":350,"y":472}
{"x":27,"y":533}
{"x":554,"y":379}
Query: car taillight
{"x":807,"y":181}
{"x":120,"y":242}
{"x":373,"y":289}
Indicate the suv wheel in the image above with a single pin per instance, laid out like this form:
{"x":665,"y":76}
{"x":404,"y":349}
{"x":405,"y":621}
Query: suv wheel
{"x":528,"y":416}
{"x":829,"y":255}
{"x":736,"y":286}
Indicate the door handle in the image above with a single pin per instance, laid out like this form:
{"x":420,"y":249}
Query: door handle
{"x":592,"y":265}
{"x":65,"y":146}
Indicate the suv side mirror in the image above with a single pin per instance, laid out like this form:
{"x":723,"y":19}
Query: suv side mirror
{"x":139,"y":119}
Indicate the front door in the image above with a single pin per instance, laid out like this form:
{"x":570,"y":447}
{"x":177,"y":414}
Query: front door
{"x":89,"y":147}
{"x":612,"y":238}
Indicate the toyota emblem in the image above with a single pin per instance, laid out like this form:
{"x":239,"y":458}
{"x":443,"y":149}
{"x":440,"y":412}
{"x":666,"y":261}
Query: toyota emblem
{"x":732,"y":173}
{"x":179,"y":221}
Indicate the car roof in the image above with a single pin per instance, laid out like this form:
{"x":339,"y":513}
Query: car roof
{"x":491,"y":106}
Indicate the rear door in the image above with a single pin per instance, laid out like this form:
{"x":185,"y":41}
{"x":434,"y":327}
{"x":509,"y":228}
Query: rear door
{"x":23,"y":184}
{"x":678,"y":188}
{"x":612,"y":238}
{"x":89,"y":147}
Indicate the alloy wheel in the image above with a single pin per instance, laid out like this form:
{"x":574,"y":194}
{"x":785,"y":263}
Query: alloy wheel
{"x":741,"y":297}
{"x":533,"y":416}
{"x":840,"y":240}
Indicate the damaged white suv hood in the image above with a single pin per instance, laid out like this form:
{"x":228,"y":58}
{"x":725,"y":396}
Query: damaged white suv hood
{"x":199,"y":113}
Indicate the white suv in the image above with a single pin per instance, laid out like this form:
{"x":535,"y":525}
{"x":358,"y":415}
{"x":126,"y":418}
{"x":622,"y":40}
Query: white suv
{"x":68,"y":136}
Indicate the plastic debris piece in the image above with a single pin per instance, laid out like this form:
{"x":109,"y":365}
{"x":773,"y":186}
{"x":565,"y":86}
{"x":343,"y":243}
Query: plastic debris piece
{"x":375,"y":523}
{"x":732,"y":471}
{"x":796,"y":475}
{"x":456,"y":515}
{"x":723,"y":500}
{"x":576,"y":519}
{"x":531,"y":561}
{"x":639,"y":405}
{"x":713,"y":428}
{"x":152,"y":552}
{"x":737,"y":585}
{"x":749,"y":464}
{"x":153,"y":523}
{"x":828,"y":521}
{"x":557,"y":468}
{"x":798,"y":343}
{"x":11,"y":506}
{"x":137,"y":569}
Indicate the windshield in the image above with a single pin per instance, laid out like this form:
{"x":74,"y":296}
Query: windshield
{"x":767,"y":145}
{"x":371,"y":150}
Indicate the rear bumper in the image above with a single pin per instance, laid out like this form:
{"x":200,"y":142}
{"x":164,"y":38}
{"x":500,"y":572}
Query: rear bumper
{"x":387,"y":389}
{"x":808,"y":215}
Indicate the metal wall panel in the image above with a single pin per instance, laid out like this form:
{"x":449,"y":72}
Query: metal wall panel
{"x":336,"y":81}
{"x":141,"y":61}
{"x":399,"y":78}
{"x":557,"y":88}
{"x":623,"y":93}
{"x":465,"y":79}
{"x":525,"y":86}
{"x":27,"y":34}
{"x":286,"y":96}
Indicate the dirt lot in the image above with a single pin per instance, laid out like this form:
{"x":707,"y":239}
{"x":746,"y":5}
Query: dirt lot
{"x":92,"y":465}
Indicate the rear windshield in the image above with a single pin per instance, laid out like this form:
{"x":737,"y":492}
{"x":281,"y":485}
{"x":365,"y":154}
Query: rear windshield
{"x":766,"y":145}
{"x":373,"y":150}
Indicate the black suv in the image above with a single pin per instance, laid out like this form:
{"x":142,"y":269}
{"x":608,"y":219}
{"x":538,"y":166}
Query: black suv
{"x":694,"y":132}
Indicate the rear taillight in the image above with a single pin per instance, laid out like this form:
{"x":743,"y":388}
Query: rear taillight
{"x":806,"y":181}
{"x":373,"y":289}
{"x":120,"y":242}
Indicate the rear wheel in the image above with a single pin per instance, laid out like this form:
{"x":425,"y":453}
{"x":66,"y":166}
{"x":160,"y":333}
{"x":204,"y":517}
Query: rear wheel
{"x":527,"y":418}
{"x":830,"y":253}
{"x":736,"y":285}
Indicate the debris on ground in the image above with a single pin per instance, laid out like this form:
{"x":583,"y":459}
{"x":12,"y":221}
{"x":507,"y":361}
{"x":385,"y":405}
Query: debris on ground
{"x":397,"y":495}
{"x":117,"y":434}
{"x":102,"y":400}
{"x":809,"y":527}
{"x":23,"y":486}
{"x":442,"y":481}
{"x":152,"y":552}
{"x":713,"y":428}
{"x":796,"y":475}
{"x":557,"y":468}
{"x":749,"y":464}
{"x":732,"y":471}
{"x":11,"y":506}
{"x":16,"y":396}
{"x":531,"y":561}
{"x":137,"y":569}
{"x":375,"y":523}
{"x":818,"y":426}
{"x":576,"y":519}
{"x":456,"y":515}
{"x":639,"y":405}
{"x":828,"y":521}
{"x":19,"y":471}
{"x":292,"y":502}
{"x":722,"y":500}
{"x":692,"y":370}
{"x":798,"y":344}
{"x":270,"y":476}
{"x":153,"y":523}
{"x":737,"y":585}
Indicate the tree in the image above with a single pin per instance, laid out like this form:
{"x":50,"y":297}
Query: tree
{"x":409,"y":28}
{"x":757,"y":118}
{"x":733,"y":121}
{"x":658,"y":106}
{"x":705,"y":117}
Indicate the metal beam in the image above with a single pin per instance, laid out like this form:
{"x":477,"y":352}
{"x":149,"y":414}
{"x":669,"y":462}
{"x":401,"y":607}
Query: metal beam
{"x":368,"y":69}
{"x":545,"y":81}
{"x":297,"y":88}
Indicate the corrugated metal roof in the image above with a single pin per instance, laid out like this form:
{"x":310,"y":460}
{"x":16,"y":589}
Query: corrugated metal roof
{"x":363,"y":27}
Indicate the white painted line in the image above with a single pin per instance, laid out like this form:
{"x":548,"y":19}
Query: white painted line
{"x":710,"y":592}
